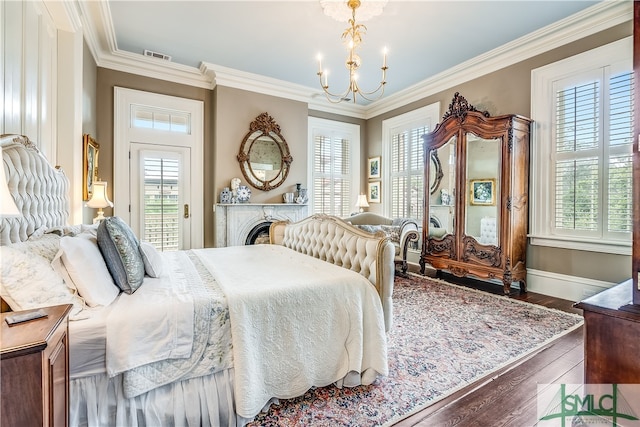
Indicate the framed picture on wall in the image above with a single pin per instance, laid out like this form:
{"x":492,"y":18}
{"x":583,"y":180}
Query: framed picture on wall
{"x":374,"y":167}
{"x":482,"y":192}
{"x":89,"y":165}
{"x":374,"y":192}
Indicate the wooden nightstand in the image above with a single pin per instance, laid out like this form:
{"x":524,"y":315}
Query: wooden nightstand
{"x":34,"y":370}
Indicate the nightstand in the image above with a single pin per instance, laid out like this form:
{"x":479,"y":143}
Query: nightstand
{"x":34,"y":370}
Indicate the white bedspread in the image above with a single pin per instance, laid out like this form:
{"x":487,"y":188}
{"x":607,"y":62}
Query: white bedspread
{"x":162,"y":327}
{"x":310,"y":324}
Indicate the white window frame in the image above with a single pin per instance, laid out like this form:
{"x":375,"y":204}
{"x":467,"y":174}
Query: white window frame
{"x":427,"y":116}
{"x":542,"y":152}
{"x":334,"y":128}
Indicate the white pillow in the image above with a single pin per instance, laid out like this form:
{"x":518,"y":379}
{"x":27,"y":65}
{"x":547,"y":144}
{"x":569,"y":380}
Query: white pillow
{"x":152,"y":260}
{"x":83,"y":268}
{"x":28,"y":281}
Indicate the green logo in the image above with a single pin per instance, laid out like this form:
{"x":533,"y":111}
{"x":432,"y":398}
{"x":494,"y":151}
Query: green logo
{"x":602,"y":408}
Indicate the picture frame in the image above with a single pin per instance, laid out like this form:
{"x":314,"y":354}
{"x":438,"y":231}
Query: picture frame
{"x":374,"y":167}
{"x":374,"y":192}
{"x":89,"y":165}
{"x":482,"y":192}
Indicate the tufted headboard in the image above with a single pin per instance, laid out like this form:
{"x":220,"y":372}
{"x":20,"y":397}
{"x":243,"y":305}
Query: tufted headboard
{"x":331,"y":239}
{"x":39,"y":190}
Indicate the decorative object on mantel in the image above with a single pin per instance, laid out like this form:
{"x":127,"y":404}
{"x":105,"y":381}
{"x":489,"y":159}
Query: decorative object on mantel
{"x":362,"y":203}
{"x":244,"y":194}
{"x":226,"y":195}
{"x":353,"y":37}
{"x":99,"y":200}
{"x":288,"y":197}
{"x":264,"y":154}
{"x":301,"y":194}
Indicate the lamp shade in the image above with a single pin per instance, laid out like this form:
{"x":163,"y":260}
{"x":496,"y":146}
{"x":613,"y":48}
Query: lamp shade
{"x":99,"y":198}
{"x":8,"y":206}
{"x":362,"y":202}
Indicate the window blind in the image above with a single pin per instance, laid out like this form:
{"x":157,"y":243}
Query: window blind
{"x":593,"y":168}
{"x":332,"y":175}
{"x":161,"y":203}
{"x":407,"y":172}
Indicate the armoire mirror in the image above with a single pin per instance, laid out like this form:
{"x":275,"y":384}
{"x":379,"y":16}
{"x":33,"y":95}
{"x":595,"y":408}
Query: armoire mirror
{"x":264,"y":154}
{"x":483,"y":188}
{"x":442,"y":175}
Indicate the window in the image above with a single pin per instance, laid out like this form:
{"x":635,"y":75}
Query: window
{"x":582,"y":109}
{"x":334,"y":166}
{"x":404,"y":177}
{"x":161,"y":202}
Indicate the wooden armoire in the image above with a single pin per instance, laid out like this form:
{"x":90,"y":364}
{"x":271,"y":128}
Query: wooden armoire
{"x":477,"y":218}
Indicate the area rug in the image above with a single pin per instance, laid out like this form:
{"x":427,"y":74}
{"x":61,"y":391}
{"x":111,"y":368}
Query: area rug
{"x":444,"y":337}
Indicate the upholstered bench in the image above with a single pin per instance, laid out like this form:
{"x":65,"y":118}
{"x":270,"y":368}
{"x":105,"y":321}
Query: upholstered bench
{"x":401,"y":231}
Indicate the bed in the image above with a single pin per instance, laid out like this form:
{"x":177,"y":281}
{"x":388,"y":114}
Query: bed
{"x":208,"y":336}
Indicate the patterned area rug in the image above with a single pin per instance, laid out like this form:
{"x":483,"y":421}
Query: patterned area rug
{"x":444,"y":337}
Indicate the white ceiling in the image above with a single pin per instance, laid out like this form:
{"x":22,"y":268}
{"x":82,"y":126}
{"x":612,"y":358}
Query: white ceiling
{"x":281,"y":39}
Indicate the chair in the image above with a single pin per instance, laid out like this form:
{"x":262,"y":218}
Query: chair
{"x":401,"y":232}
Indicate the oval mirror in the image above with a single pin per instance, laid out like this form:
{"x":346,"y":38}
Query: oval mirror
{"x":264,"y":155}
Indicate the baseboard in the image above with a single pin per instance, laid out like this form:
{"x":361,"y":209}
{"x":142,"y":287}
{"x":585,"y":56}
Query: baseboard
{"x":572,"y":288}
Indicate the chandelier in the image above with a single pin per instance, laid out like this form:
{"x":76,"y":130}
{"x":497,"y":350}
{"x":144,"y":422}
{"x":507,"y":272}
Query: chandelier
{"x":353,"y":37}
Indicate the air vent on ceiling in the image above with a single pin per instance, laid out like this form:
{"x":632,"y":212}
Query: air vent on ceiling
{"x":157,"y":55}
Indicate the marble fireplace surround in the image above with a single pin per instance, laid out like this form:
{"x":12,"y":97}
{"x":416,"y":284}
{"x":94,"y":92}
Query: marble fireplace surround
{"x":234,"y":222}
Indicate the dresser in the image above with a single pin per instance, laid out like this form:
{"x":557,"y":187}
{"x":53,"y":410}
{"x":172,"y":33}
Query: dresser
{"x":611,"y":331}
{"x":34,"y":370}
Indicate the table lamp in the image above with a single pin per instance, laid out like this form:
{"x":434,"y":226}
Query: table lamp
{"x":362,"y":202}
{"x":99,"y":199}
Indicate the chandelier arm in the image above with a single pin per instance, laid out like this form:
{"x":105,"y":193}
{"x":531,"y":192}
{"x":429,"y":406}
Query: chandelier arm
{"x":338,"y":97}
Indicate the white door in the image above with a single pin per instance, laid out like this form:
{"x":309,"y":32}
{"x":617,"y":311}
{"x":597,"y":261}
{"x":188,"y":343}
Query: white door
{"x":158,"y":167}
{"x":160,"y":209}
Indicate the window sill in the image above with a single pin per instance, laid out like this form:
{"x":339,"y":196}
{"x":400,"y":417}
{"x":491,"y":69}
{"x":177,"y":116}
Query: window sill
{"x":604,"y":246}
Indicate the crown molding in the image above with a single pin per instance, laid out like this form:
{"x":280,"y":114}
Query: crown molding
{"x":594,"y":19}
{"x":96,"y":17}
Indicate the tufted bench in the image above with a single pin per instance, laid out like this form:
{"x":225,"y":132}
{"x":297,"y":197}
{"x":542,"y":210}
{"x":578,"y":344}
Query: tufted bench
{"x":332,"y":240}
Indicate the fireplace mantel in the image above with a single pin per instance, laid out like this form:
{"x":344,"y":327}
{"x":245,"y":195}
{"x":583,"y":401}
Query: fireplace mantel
{"x":235,"y":221}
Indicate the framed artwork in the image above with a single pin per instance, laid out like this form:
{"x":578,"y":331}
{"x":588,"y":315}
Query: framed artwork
{"x":482,"y":192}
{"x":374,"y":192}
{"x":374,"y":167}
{"x":89,"y":165}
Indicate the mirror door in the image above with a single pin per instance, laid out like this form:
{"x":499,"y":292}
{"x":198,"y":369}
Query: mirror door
{"x":483,"y":166}
{"x":442,"y":181}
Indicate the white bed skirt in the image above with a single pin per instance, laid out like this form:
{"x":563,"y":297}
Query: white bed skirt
{"x":99,"y":401}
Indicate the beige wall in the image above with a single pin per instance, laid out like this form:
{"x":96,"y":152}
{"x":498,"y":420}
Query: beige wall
{"x":508,"y":91}
{"x":235,"y":110}
{"x":106,"y":81}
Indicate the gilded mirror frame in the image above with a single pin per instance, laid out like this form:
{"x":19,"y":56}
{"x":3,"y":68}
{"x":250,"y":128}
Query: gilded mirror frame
{"x":264,"y":128}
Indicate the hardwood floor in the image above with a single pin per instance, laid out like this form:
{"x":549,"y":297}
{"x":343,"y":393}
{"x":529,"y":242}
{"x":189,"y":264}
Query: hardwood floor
{"x":508,"y":397}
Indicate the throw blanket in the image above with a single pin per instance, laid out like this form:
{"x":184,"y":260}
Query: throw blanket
{"x":209,"y":338}
{"x":296,"y":322}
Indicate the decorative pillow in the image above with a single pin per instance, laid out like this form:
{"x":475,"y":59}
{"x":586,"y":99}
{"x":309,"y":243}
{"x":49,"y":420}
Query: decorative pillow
{"x":152,"y":260}
{"x":370,"y":228}
{"x":83,"y":268}
{"x":29,"y":281}
{"x":46,"y":246}
{"x":392,"y":231}
{"x":121,"y":251}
